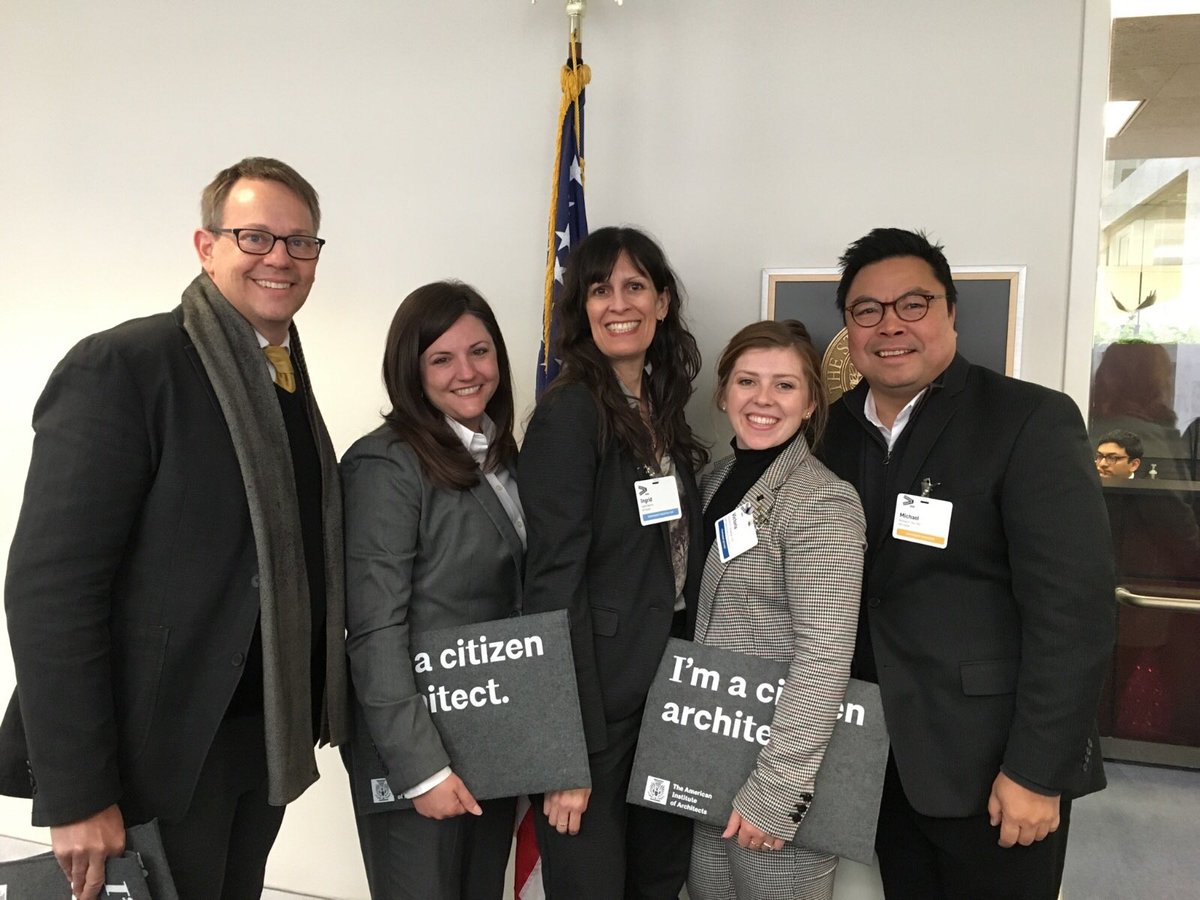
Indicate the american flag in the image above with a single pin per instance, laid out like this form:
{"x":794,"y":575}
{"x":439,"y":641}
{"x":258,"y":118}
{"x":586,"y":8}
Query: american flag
{"x":527,"y":871}
{"x":568,"y":218}
{"x":567,"y":227}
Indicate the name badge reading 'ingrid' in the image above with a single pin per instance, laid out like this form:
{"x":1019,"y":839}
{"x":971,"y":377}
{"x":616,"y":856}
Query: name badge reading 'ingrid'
{"x":922,"y":520}
{"x":657,"y":500}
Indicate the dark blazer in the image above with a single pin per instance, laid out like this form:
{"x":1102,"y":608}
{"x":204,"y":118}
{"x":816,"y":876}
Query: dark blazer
{"x":990,"y":652}
{"x":590,"y":554}
{"x":418,"y":557}
{"x":132,"y":588}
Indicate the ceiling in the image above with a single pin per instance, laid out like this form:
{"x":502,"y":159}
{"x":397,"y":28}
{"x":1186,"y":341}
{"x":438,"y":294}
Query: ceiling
{"x":1157,"y":59}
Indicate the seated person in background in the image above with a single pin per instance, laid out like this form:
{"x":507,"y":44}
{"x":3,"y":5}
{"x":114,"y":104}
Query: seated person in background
{"x":1118,"y":455}
{"x":1134,"y":390}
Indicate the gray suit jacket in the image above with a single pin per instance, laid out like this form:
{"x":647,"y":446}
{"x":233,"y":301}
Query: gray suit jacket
{"x":418,"y":557}
{"x":792,"y":598}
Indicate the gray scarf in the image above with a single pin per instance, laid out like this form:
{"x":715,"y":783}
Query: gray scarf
{"x":238,"y":371}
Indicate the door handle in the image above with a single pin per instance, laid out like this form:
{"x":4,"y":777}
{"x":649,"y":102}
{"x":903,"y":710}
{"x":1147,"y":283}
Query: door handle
{"x":1149,"y":601}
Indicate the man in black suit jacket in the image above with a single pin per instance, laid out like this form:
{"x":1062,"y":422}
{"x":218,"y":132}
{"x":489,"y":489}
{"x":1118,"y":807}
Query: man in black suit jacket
{"x":988,"y":610}
{"x":174,"y":589}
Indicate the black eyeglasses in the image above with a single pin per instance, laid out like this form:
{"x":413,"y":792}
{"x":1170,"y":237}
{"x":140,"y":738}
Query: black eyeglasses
{"x":260,"y":243}
{"x":910,"y":307}
{"x":1110,"y":458}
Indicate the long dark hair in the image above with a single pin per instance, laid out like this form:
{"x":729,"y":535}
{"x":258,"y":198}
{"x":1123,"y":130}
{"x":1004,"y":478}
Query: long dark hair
{"x":424,"y":316}
{"x":1134,"y":378}
{"x":673,"y":357}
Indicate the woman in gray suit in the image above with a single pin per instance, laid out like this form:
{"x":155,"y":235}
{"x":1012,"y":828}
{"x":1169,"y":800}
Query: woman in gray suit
{"x":783,"y":583}
{"x":434,"y":538}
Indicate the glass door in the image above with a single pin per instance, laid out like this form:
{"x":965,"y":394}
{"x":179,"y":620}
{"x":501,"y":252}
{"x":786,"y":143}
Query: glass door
{"x":1144,"y":415}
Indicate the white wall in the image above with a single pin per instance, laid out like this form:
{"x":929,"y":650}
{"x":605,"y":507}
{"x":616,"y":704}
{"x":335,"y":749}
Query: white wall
{"x":744,"y":135}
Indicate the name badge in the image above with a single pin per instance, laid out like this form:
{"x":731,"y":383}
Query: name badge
{"x":736,"y":533}
{"x":657,"y":500}
{"x":922,"y":520}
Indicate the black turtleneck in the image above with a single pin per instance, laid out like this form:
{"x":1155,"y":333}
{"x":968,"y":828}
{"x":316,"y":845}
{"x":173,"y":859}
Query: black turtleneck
{"x":748,"y":467}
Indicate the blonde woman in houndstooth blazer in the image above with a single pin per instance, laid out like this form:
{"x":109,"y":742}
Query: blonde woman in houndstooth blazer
{"x":793,"y":597}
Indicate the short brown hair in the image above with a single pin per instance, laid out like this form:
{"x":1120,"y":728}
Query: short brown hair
{"x":790,"y":334}
{"x":212,"y":201}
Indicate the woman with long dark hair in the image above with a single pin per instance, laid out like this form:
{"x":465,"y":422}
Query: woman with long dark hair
{"x":434,"y":538}
{"x":608,"y":480}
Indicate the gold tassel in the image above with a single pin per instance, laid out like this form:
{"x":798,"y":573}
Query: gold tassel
{"x":574,"y":77}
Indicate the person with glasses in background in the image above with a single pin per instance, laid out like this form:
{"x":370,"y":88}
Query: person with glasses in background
{"x":174,"y":592}
{"x":1118,"y":455}
{"x":987,"y":614}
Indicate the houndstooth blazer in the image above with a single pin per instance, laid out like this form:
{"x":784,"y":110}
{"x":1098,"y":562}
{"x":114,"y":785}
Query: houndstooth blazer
{"x":793,"y":598}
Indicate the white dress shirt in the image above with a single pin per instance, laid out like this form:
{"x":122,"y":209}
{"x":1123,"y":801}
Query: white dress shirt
{"x":891,"y":435}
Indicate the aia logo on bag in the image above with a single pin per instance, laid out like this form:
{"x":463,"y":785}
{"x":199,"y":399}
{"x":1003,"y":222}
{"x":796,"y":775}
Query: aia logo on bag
{"x":380,"y":793}
{"x":657,"y":790}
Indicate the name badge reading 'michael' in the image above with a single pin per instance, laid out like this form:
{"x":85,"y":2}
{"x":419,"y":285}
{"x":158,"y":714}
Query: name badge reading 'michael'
{"x":657,"y":500}
{"x":922,"y":520}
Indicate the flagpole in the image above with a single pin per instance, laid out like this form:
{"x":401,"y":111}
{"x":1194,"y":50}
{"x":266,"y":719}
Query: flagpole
{"x":575,"y":13}
{"x":567,"y":220}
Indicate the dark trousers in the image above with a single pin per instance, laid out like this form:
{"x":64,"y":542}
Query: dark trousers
{"x":219,"y":848}
{"x":621,"y":852}
{"x":410,"y":857}
{"x":925,"y":858}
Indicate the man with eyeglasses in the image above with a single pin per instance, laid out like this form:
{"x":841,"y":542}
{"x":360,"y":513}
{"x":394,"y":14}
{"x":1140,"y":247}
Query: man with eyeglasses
{"x":1118,"y":455}
{"x":174,"y":590}
{"x":987,"y":614}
